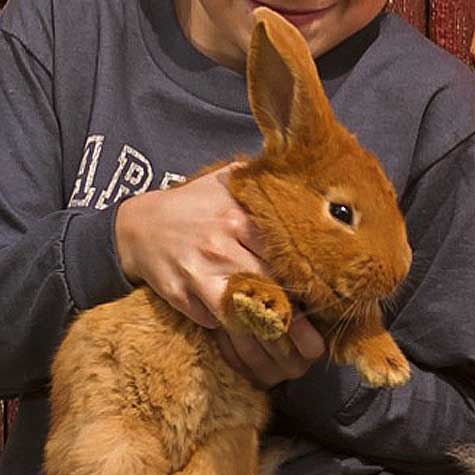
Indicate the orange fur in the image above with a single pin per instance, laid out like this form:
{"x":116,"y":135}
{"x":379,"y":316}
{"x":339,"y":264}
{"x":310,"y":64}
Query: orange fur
{"x":139,"y":389}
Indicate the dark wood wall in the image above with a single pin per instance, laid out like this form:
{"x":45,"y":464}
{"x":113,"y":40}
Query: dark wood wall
{"x":415,"y":11}
{"x":449,"y":23}
{"x":8,"y":410}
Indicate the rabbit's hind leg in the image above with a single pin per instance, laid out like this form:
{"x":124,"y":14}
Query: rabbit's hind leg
{"x":107,"y":446}
{"x":226,"y":452}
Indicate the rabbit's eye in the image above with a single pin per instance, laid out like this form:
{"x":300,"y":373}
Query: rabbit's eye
{"x":342,"y":212}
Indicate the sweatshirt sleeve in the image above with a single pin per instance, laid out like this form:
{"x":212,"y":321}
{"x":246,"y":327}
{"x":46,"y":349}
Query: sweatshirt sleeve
{"x":409,"y":429}
{"x":52,"y":260}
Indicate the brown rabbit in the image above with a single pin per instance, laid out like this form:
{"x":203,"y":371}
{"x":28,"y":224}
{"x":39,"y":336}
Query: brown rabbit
{"x":139,"y":389}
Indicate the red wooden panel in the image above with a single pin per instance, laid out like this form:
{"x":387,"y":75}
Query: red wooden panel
{"x":2,"y":425}
{"x":452,"y":26}
{"x":414,"y":11}
{"x":12,"y":410}
{"x":8,"y":412}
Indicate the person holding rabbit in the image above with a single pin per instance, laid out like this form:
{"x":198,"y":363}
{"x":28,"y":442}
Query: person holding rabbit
{"x":105,"y":104}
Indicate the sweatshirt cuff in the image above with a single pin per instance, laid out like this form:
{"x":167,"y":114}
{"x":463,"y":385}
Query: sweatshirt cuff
{"x":92,"y":267}
{"x":326,"y":392}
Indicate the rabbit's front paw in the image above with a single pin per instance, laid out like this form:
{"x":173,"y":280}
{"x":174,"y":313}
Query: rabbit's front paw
{"x":377,"y":358}
{"x":383,"y":369}
{"x":259,"y":304}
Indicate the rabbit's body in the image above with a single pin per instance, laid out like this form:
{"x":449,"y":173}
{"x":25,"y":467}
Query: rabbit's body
{"x":142,"y":391}
{"x":138,"y":389}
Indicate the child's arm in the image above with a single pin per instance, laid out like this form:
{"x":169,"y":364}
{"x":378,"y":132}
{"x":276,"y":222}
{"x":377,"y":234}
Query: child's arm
{"x":39,"y":240}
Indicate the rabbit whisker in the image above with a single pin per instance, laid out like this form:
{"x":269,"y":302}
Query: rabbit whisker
{"x":317,"y":309}
{"x":341,"y":325}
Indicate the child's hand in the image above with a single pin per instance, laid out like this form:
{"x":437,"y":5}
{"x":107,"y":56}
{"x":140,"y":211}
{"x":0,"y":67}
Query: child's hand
{"x":265,"y":363}
{"x":186,"y":241}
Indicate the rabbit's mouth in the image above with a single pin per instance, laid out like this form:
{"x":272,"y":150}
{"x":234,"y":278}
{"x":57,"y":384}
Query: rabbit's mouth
{"x":328,"y":287}
{"x":305,"y":308}
{"x":319,"y":297}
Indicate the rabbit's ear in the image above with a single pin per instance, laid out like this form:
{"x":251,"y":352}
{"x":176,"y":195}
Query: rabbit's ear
{"x":285,"y":92}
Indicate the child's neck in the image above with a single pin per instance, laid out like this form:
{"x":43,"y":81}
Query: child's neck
{"x":202,"y":33}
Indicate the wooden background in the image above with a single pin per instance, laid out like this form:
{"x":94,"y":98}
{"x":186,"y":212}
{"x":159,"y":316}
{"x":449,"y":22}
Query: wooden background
{"x":449,"y":23}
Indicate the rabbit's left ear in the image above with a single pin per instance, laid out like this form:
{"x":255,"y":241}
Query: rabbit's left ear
{"x":285,"y":92}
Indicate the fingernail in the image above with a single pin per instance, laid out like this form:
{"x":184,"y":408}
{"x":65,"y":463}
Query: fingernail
{"x":209,"y":322}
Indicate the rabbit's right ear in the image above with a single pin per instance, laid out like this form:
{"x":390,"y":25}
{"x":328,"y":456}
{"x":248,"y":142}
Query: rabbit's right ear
{"x":285,"y":92}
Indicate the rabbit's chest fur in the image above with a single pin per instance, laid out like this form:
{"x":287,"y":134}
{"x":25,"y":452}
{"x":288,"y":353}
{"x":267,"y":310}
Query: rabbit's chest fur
{"x":140,"y":358}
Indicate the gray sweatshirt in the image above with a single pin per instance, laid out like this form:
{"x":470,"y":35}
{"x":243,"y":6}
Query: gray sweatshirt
{"x":103,"y":99}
